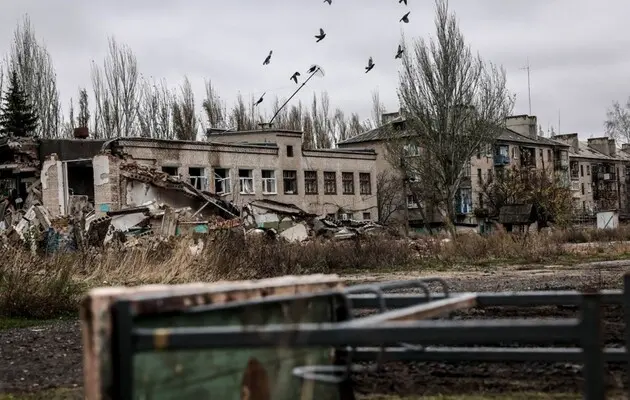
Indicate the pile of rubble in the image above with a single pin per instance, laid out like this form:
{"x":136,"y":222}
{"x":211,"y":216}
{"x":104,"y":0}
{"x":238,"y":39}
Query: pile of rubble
{"x":168,"y":206}
{"x":289,"y":222}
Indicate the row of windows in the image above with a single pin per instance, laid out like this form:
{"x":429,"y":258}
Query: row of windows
{"x":247,"y":185}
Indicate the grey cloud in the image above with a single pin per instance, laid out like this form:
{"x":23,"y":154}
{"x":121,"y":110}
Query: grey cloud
{"x":577,"y":48}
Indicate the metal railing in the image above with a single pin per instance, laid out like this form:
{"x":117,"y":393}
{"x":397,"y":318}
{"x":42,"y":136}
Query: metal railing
{"x":391,"y":334}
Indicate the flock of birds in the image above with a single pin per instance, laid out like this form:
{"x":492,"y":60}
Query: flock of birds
{"x":321,"y":36}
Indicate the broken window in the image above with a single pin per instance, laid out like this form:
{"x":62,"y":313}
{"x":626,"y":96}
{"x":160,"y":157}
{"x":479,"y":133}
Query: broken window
{"x":289,"y":179}
{"x":269,"y":181}
{"x":172,"y":171}
{"x":330,"y":183}
{"x":310,"y":182}
{"x":289,"y":151}
{"x":367,"y":216}
{"x":198,"y":178}
{"x":222,"y":183}
{"x":347,"y":181}
{"x":365,"y":183}
{"x":246,"y":181}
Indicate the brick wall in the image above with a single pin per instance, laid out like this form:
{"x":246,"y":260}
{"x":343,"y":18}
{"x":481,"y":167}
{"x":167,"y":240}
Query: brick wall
{"x":106,"y":183}
{"x":50,"y":185}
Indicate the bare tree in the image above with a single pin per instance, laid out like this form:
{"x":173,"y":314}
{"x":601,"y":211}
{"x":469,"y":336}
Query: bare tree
{"x":390,"y":196}
{"x":83,"y":119}
{"x":340,"y":126}
{"x":214,"y":108}
{"x":453,"y":104}
{"x":378,"y":109}
{"x":184,"y":118}
{"x":155,"y":117}
{"x":355,"y":126}
{"x":308,"y":137}
{"x":618,"y":121}
{"x":34,"y":66}
{"x":116,"y":92}
{"x":294,"y":119}
{"x":239,"y":117}
{"x":282,"y":119}
{"x":322,"y":125}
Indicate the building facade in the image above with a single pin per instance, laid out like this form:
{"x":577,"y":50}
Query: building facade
{"x":240,"y":167}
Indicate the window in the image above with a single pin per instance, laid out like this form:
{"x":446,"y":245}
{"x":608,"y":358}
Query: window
{"x":289,"y":181}
{"x":367,"y":216}
{"x":289,"y":151}
{"x":588,"y":170}
{"x":269,"y":181}
{"x":480,"y":200}
{"x":582,"y":170}
{"x":540,"y":154}
{"x":549,"y":157}
{"x":582,"y":185}
{"x":198,"y":178}
{"x":347,"y":182}
{"x":246,"y":181}
{"x":172,"y":171}
{"x":411,"y":203}
{"x":330,"y":183}
{"x":222,"y":184}
{"x":365,"y":183}
{"x":310,"y":182}
{"x":479,"y":176}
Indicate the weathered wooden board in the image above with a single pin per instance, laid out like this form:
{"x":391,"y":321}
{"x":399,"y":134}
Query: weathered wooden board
{"x":96,"y":317}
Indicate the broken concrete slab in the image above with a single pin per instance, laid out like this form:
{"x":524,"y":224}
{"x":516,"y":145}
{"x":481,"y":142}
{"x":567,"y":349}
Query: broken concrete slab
{"x":297,"y":233}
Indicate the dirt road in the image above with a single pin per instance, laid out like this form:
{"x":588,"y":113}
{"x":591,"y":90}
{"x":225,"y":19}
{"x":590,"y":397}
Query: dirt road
{"x":32,"y":359}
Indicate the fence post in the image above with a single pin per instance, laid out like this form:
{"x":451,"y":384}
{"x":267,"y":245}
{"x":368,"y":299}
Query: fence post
{"x":591,"y":335}
{"x":626,"y":328}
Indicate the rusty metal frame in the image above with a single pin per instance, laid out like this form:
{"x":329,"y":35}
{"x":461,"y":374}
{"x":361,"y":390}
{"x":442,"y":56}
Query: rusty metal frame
{"x":380,"y":336}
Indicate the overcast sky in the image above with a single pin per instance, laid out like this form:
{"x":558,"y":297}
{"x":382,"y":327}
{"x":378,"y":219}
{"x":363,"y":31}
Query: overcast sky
{"x":579,"y":50}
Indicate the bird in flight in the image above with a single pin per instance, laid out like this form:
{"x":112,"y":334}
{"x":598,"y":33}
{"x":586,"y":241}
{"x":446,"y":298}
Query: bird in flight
{"x":294,"y":76}
{"x":402,"y":1}
{"x":405,"y":18}
{"x":400,"y":52}
{"x":369,"y":66}
{"x":312,"y":69}
{"x":330,"y":1}
{"x":260,"y":100}
{"x":268,"y":59}
{"x":321,"y":35}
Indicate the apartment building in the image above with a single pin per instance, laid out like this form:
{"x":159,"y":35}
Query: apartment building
{"x":261,"y":164}
{"x":599,"y":173}
{"x":519,"y":145}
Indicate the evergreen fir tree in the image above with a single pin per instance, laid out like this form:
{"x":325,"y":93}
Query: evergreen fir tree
{"x":17,"y":116}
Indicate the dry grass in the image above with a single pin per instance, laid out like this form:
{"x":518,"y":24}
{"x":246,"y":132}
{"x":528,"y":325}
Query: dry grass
{"x":36,"y":286}
{"x":43,"y":287}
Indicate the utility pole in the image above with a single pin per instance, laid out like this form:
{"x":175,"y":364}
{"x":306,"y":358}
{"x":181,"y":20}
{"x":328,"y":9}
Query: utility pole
{"x":529,"y":87}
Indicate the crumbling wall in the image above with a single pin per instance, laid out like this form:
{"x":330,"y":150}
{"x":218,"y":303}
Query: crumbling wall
{"x":106,"y":183}
{"x":52,"y":185}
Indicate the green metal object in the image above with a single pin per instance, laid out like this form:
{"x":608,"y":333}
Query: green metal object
{"x":230,"y":374}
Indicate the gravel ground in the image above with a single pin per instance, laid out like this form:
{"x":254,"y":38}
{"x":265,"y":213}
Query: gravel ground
{"x":33,"y":359}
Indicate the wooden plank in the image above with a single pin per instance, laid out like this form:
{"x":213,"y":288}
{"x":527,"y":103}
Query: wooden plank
{"x":421,"y":311}
{"x":96,"y":318}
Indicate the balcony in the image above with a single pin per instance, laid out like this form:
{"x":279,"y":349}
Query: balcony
{"x":606,"y":176}
{"x":501,"y":159}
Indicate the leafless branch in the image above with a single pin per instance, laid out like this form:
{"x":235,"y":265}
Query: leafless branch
{"x":34,"y":66}
{"x":453,"y":104}
{"x":184,"y":117}
{"x":618,"y":121}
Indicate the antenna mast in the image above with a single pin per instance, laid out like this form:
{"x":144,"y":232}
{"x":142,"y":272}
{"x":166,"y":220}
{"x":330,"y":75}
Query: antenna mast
{"x":529,"y":87}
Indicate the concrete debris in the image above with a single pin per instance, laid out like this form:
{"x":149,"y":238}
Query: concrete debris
{"x":158,"y":207}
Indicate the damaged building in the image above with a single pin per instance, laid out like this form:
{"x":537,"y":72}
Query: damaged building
{"x":142,"y":186}
{"x":238,"y":168}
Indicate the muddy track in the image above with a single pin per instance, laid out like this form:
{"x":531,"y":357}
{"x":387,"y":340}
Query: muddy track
{"x":32,"y":359}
